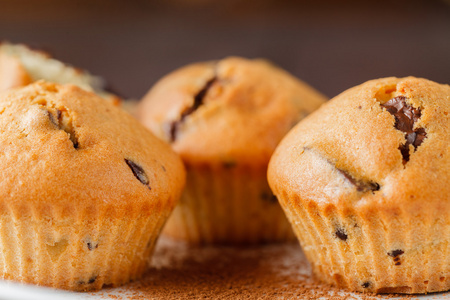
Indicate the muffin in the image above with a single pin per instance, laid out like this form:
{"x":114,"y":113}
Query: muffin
{"x":19,"y":66}
{"x":225,"y":119}
{"x":84,"y":189}
{"x":364,"y":183}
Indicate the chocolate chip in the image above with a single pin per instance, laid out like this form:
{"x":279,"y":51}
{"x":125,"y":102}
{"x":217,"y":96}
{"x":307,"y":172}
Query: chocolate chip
{"x":266,"y":196}
{"x":58,"y":115}
{"x":405,"y":118}
{"x":75,"y":143}
{"x":198,"y":101}
{"x":138,"y":172}
{"x":173,"y":128}
{"x":67,"y":126}
{"x":91,"y":246}
{"x":92,"y":279}
{"x":340,"y":233}
{"x":366,"y":284}
{"x":361,"y":186}
{"x":395,"y":253}
{"x":52,"y":118}
{"x":420,"y":135}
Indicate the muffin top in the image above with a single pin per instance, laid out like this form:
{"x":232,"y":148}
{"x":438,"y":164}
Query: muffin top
{"x":233,"y":111}
{"x":387,"y":140}
{"x":63,"y":146}
{"x":20,"y":65}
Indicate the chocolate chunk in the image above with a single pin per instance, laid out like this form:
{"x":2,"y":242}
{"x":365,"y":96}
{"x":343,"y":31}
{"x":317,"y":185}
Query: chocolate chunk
{"x":340,"y":233}
{"x":198,"y":101}
{"x":58,"y":115}
{"x":75,"y":143}
{"x":395,"y":253}
{"x":173,"y":128}
{"x":366,"y":284}
{"x":52,"y":118}
{"x":420,"y":135}
{"x":266,"y":196}
{"x":405,"y":118}
{"x":61,"y":125}
{"x":361,"y":186}
{"x":90,"y":281}
{"x":91,"y":246}
{"x":138,"y":172}
{"x":198,"y":98}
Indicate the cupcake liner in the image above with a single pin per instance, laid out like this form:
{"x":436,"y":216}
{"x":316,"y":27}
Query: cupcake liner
{"x":230,"y":205}
{"x":375,"y":249}
{"x":77,"y":249}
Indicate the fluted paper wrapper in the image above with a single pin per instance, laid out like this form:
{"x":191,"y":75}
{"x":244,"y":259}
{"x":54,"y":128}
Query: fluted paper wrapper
{"x":382,"y":250}
{"x":77,"y":249}
{"x":228,"y":205}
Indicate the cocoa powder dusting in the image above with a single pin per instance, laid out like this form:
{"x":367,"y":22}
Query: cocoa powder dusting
{"x":278,"y":271}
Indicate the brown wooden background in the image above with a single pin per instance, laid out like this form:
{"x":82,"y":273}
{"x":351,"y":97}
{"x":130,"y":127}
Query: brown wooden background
{"x":332,"y":45}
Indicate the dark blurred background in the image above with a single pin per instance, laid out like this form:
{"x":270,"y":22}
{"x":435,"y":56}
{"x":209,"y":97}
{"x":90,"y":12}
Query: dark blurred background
{"x":332,"y":45}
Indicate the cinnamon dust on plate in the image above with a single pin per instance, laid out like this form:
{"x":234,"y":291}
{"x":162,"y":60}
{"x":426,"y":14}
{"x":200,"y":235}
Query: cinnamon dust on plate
{"x":278,"y":271}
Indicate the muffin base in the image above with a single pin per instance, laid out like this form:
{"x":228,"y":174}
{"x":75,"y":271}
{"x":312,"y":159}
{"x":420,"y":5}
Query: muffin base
{"x":92,"y":248}
{"x":228,"y":205}
{"x":375,"y":249}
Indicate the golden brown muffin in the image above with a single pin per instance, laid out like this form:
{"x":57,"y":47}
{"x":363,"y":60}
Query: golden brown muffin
{"x":84,"y":189}
{"x":19,"y":66}
{"x":364,"y":182}
{"x":225,"y":119}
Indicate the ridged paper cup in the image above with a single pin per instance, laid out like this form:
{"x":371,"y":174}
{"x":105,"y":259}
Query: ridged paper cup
{"x":78,"y":249}
{"x":227,"y":204}
{"x":347,"y":248}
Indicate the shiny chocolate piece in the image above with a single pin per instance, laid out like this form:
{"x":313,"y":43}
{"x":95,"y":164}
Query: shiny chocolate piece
{"x":405,"y":118}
